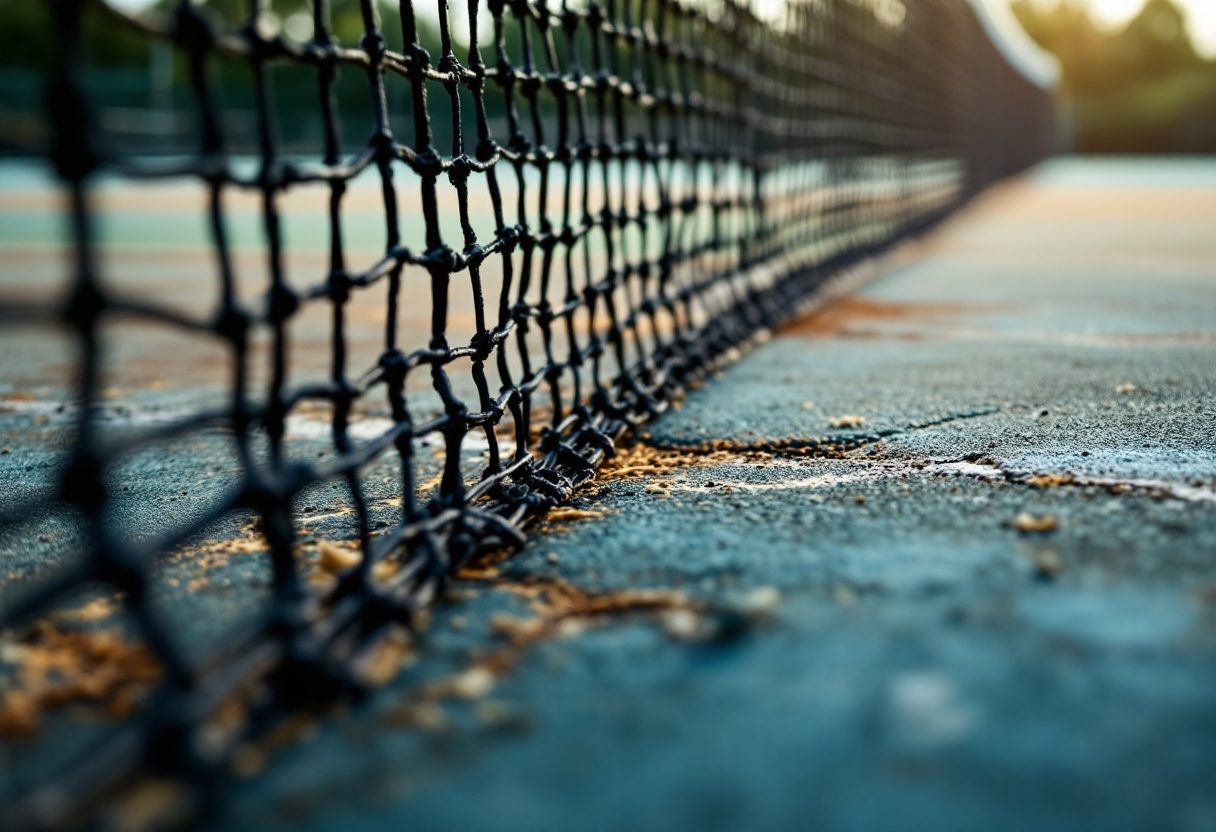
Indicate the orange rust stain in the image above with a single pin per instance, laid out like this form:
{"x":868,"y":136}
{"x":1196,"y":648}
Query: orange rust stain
{"x":843,"y":316}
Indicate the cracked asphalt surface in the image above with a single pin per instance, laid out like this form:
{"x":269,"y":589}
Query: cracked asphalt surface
{"x":874,"y":639}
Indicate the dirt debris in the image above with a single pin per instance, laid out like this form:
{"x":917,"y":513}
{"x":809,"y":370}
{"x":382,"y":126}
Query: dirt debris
{"x":151,"y":803}
{"x":643,"y":458}
{"x":379,"y":663}
{"x":648,"y":458}
{"x":1051,"y":480}
{"x":558,"y":515}
{"x":555,"y":601}
{"x":475,"y":683}
{"x":98,"y":609}
{"x":53,"y":667}
{"x":848,"y":421}
{"x":249,"y":759}
{"x":334,"y":558}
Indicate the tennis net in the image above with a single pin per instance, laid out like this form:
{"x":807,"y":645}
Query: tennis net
{"x":619,"y":194}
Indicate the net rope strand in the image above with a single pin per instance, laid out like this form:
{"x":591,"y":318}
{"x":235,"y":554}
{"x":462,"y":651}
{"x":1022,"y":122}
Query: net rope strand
{"x":686,"y":176}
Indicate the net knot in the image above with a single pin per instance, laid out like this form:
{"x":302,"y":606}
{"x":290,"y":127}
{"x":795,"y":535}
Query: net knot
{"x":395,"y":366}
{"x":339,"y":285}
{"x":595,"y":437}
{"x":443,"y":260}
{"x":428,"y":162}
{"x":450,"y":65}
{"x":373,"y":44}
{"x":84,"y":306}
{"x":282,"y":303}
{"x":542,"y":487}
{"x":416,"y":57}
{"x":232,"y":325}
{"x":486,"y":150}
{"x":483,"y":344}
{"x":552,"y":442}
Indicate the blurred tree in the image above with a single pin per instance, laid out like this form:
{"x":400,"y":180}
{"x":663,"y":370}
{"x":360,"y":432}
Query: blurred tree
{"x":1142,"y":89}
{"x":1156,"y":43}
{"x":1086,"y":54}
{"x":27,"y":37}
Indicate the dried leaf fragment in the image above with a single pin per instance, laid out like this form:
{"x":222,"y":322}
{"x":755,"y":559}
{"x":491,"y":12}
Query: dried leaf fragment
{"x":55,"y":668}
{"x":557,"y":515}
{"x":847,"y":421}
{"x":1027,"y":522}
{"x":335,"y":559}
{"x":392,"y":652}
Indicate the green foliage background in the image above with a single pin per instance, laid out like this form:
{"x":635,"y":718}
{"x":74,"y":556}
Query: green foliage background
{"x":1141,"y":89}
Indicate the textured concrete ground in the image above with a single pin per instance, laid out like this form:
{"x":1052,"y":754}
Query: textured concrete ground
{"x":870,"y":641}
{"x":942,"y":557}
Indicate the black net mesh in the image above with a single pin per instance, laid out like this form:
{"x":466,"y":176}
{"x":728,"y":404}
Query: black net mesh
{"x":656,"y":183}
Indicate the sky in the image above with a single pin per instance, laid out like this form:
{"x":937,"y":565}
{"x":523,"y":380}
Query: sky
{"x":1110,"y":13}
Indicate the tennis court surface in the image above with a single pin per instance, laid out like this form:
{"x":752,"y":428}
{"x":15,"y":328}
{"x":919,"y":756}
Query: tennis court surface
{"x":769,"y":612}
{"x":814,"y":457}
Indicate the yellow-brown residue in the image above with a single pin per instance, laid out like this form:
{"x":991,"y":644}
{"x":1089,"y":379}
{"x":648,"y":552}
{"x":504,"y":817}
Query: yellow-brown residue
{"x":1051,"y":480}
{"x":216,"y":553}
{"x":844,"y":315}
{"x":646,"y":458}
{"x":642,"y":459}
{"x":96,"y":610}
{"x":559,"y":609}
{"x":326,"y":559}
{"x":555,"y":600}
{"x":558,"y":515}
{"x":56,"y":667}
